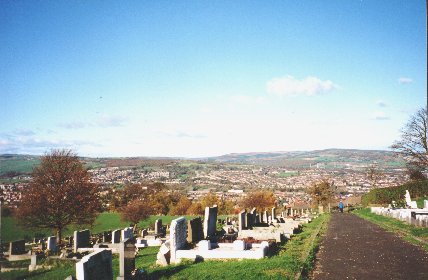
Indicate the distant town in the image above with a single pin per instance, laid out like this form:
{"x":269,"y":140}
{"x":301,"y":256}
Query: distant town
{"x":232,"y":180}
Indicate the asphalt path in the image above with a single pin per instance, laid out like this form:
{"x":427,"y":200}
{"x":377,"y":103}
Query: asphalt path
{"x":354,"y":248}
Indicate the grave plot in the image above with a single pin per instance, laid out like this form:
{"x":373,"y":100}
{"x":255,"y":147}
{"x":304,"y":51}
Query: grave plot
{"x":411,"y":214}
{"x":252,"y":231}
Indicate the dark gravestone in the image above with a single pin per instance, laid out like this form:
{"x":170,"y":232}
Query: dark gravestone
{"x":17,"y":247}
{"x":115,"y":236}
{"x":249,"y":221}
{"x":126,"y":259}
{"x":106,"y":236}
{"x":81,"y":239}
{"x":195,"y":231}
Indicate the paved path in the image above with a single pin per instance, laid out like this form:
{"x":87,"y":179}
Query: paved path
{"x":356,"y":249}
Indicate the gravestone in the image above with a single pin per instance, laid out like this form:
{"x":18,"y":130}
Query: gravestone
{"x":97,"y":265}
{"x":265,"y":216}
{"x":242,"y":220}
{"x":17,"y":247}
{"x":158,"y":226}
{"x":126,"y":259}
{"x":106,"y":236}
{"x":194,"y":230}
{"x":115,"y":236}
{"x":127,"y":233}
{"x":273,"y":213}
{"x":409,"y":202}
{"x":253,"y":216}
{"x":249,"y":221}
{"x":210,"y":221}
{"x":81,"y":239}
{"x":51,"y":244}
{"x":425,"y":204}
{"x":178,"y":236}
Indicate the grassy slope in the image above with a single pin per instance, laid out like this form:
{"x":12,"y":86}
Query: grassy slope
{"x":105,"y":221}
{"x":292,"y":258}
{"x":413,"y":234}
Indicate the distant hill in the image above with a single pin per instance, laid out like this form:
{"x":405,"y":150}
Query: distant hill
{"x":324,"y":158}
{"x":13,"y":165}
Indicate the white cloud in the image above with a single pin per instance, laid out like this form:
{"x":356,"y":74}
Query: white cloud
{"x":381,"y":103}
{"x":72,"y":125}
{"x":380,"y":116}
{"x":291,"y":86}
{"x":111,"y":121}
{"x":405,"y":80}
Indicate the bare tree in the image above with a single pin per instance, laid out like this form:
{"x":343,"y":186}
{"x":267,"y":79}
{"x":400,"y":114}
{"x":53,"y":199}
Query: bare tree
{"x":60,"y":194}
{"x":374,"y":174}
{"x":413,"y":143}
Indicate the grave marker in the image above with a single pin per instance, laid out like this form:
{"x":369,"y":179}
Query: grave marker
{"x":51,"y":244}
{"x":178,"y":235}
{"x":194,"y":230}
{"x":81,"y":239}
{"x":210,"y":221}
{"x":97,"y":265}
{"x":17,"y":247}
{"x":126,"y":259}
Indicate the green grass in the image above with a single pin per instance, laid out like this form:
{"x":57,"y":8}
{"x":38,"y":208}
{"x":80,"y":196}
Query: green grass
{"x":293,"y":257}
{"x":21,"y":165}
{"x":11,"y":231}
{"x":420,"y":201}
{"x":413,"y":234}
{"x":287,"y":174}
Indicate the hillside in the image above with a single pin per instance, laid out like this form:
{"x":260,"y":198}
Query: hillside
{"x":12,"y":165}
{"x":334,"y":158}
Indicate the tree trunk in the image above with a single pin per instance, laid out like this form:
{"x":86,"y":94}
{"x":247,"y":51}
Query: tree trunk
{"x":58,"y":236}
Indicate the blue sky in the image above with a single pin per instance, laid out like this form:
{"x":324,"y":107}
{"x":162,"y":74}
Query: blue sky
{"x":204,"y":78}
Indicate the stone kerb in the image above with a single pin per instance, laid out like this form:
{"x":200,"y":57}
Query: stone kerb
{"x":97,"y":265}
{"x":81,"y":239}
{"x":210,"y":221}
{"x":178,"y":236}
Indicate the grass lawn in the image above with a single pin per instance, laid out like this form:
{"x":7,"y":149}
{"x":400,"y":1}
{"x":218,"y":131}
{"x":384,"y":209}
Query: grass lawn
{"x":293,"y":257}
{"x":105,"y":221}
{"x":420,"y":201}
{"x":413,"y":234}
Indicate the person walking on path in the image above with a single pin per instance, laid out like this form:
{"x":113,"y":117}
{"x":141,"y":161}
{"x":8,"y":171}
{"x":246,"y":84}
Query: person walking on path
{"x":341,"y":206}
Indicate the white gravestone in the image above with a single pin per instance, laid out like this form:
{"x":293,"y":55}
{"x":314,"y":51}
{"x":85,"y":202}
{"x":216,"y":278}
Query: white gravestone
{"x":178,"y":236}
{"x":97,"y":265}
{"x":409,"y":202}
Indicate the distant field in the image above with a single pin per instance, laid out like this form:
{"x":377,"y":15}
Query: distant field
{"x":21,"y":165}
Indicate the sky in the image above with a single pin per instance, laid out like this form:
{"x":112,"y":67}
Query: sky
{"x":207,"y":78}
